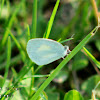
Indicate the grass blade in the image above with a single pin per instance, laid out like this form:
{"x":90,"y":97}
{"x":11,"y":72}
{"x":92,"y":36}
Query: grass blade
{"x":32,"y":83}
{"x":28,"y":32}
{"x":11,"y":23}
{"x":2,"y":4}
{"x":23,"y":71}
{"x":18,"y":45}
{"x":91,"y":57}
{"x":34,"y":19}
{"x":62,"y":64}
{"x":8,"y":59}
{"x":14,"y":60}
{"x":36,"y":76}
{"x":50,"y":23}
{"x":95,"y":9}
{"x":33,"y":35}
{"x":66,"y":40}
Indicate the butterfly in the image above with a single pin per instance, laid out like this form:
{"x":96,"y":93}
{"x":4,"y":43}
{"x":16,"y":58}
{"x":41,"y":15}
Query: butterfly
{"x":44,"y":51}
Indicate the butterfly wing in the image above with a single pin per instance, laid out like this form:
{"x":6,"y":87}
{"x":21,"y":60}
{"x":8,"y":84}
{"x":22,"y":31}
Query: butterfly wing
{"x":44,"y":51}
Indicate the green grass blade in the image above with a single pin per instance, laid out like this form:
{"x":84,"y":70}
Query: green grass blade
{"x":8,"y":59}
{"x":97,"y":85}
{"x":14,"y":72}
{"x":66,"y":40}
{"x":15,"y":40}
{"x":28,"y":32}
{"x":23,"y":71}
{"x":63,"y":63}
{"x":36,"y":76}
{"x":1,"y":6}
{"x":92,"y":57}
{"x":34,"y":19}
{"x":33,"y":35}
{"x":38,"y":68}
{"x":19,"y":46}
{"x":10,"y":23}
{"x":50,"y":23}
{"x":32,"y":83}
{"x":13,"y":61}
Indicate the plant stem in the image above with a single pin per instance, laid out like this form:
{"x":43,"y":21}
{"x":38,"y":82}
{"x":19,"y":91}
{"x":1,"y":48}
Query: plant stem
{"x":8,"y":60}
{"x":10,"y":23}
{"x":34,"y":19}
{"x":91,"y":57}
{"x":95,"y":9}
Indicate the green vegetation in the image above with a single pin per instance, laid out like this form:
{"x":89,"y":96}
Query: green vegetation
{"x":73,"y":23}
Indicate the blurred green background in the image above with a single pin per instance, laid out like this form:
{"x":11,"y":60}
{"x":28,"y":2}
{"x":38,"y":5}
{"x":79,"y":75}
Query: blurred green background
{"x":74,"y":18}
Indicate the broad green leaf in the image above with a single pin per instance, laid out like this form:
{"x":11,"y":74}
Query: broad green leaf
{"x":73,"y":95}
{"x":90,"y":83}
{"x":52,"y":93}
{"x":80,"y":64}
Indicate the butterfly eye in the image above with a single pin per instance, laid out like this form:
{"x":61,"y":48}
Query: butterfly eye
{"x":67,"y":49}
